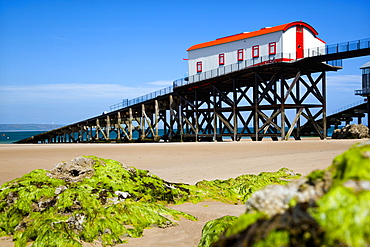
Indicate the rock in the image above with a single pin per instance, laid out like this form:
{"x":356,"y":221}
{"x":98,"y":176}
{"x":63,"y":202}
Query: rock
{"x":276,"y":199}
{"x":295,"y":227}
{"x":60,"y":189}
{"x":354,"y":131}
{"x":328,"y":208}
{"x":73,"y":171}
{"x":75,"y":222}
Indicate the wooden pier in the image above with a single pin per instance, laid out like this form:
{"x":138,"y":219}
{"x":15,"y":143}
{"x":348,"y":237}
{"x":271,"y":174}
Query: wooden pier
{"x":271,"y":100}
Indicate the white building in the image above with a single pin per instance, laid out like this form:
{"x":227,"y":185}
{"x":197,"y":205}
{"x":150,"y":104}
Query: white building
{"x":282,"y":43}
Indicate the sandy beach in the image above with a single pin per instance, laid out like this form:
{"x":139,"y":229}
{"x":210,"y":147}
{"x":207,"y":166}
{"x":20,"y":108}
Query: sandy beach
{"x":181,"y":162}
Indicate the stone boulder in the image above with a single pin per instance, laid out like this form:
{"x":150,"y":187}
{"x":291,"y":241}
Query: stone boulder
{"x":353,"y":131}
{"x":276,"y":199}
{"x":327,"y":208}
{"x":73,"y":171}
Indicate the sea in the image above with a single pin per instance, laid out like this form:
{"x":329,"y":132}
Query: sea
{"x":9,"y":137}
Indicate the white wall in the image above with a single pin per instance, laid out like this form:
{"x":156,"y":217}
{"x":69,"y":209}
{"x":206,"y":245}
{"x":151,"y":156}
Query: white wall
{"x":285,"y":42}
{"x":311,"y":43}
{"x":209,"y":55}
{"x":289,"y":43}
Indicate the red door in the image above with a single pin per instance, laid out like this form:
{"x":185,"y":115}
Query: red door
{"x":299,"y":42}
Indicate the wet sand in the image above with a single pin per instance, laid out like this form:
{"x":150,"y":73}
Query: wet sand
{"x":181,"y":162}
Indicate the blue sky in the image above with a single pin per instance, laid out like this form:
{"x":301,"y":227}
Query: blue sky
{"x":65,"y":61}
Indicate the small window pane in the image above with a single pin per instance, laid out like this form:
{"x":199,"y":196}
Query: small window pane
{"x":255,"y":51}
{"x":221,"y":59}
{"x":272,"y":48}
{"x":240,"y":55}
{"x":199,"y":67}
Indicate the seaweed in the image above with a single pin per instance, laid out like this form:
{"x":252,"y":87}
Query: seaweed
{"x":239,"y":189}
{"x":112,"y":205}
{"x":338,"y":217}
{"x":345,"y":216}
{"x":213,"y":229}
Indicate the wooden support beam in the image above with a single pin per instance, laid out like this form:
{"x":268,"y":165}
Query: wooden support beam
{"x":235,"y":95}
{"x":118,"y":126}
{"x":156,"y":136}
{"x":289,"y":91}
{"x":130,"y":126}
{"x":323,"y":89}
{"x":282,"y":107}
{"x":196,"y":117}
{"x":269,"y":120}
{"x":255,"y":102}
{"x":214,"y":115}
{"x":293,"y":124}
{"x":107,"y":128}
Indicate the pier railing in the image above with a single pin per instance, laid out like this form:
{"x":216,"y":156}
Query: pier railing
{"x":149,"y":96}
{"x":280,"y":57}
{"x":343,"y":108}
{"x":263,"y":60}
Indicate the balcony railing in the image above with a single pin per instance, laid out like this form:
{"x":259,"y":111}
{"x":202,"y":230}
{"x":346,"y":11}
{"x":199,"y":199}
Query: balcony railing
{"x":149,"y":96}
{"x":357,"y":103}
{"x":365,"y":91}
{"x":263,"y":60}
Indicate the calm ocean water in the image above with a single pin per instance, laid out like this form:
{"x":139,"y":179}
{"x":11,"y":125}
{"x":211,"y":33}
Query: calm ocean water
{"x":13,"y":136}
{"x":7,"y":137}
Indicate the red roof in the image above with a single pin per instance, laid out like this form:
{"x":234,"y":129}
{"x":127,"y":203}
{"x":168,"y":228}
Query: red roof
{"x":262,"y":31}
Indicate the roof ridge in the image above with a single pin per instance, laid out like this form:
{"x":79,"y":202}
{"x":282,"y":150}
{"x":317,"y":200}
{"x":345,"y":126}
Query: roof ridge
{"x":245,"y":35}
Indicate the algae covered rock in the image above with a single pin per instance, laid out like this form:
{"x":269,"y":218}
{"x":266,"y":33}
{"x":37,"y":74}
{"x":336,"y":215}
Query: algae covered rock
{"x":214,"y":228}
{"x":92,"y":199}
{"x":86,"y":199}
{"x":239,"y":189}
{"x":275,"y":199}
{"x":328,"y":208}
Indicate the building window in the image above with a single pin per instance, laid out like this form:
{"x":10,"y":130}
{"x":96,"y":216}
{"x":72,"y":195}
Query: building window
{"x":221,"y":59}
{"x":272,"y":48}
{"x":256,"y":51}
{"x":240,"y":55}
{"x":199,"y":67}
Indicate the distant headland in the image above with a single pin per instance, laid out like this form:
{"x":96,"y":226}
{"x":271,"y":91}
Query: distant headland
{"x":29,"y":127}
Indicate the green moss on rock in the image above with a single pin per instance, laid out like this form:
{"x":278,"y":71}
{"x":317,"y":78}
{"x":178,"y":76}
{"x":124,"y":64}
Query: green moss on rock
{"x":214,"y":228}
{"x":344,"y":214}
{"x":339,"y":217}
{"x":109,"y":204}
{"x":115,"y":203}
{"x":239,"y":189}
{"x":352,"y":164}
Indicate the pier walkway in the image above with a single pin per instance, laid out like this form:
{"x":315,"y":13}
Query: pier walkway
{"x":253,"y":99}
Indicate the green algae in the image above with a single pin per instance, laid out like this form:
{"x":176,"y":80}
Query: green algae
{"x":345,"y":216}
{"x":32,"y":210}
{"x":275,"y":238}
{"x":340,"y":218}
{"x":239,"y":189}
{"x":115,"y":204}
{"x":243,"y":221}
{"x":352,"y":164}
{"x":214,"y":228}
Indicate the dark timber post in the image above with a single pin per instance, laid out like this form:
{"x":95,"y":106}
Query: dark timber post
{"x":282,"y":106}
{"x":255,"y":101}
{"x":214,"y":115}
{"x":368,"y":109}
{"x":234,"y":111}
{"x":323,"y":84}
{"x":196,"y":115}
